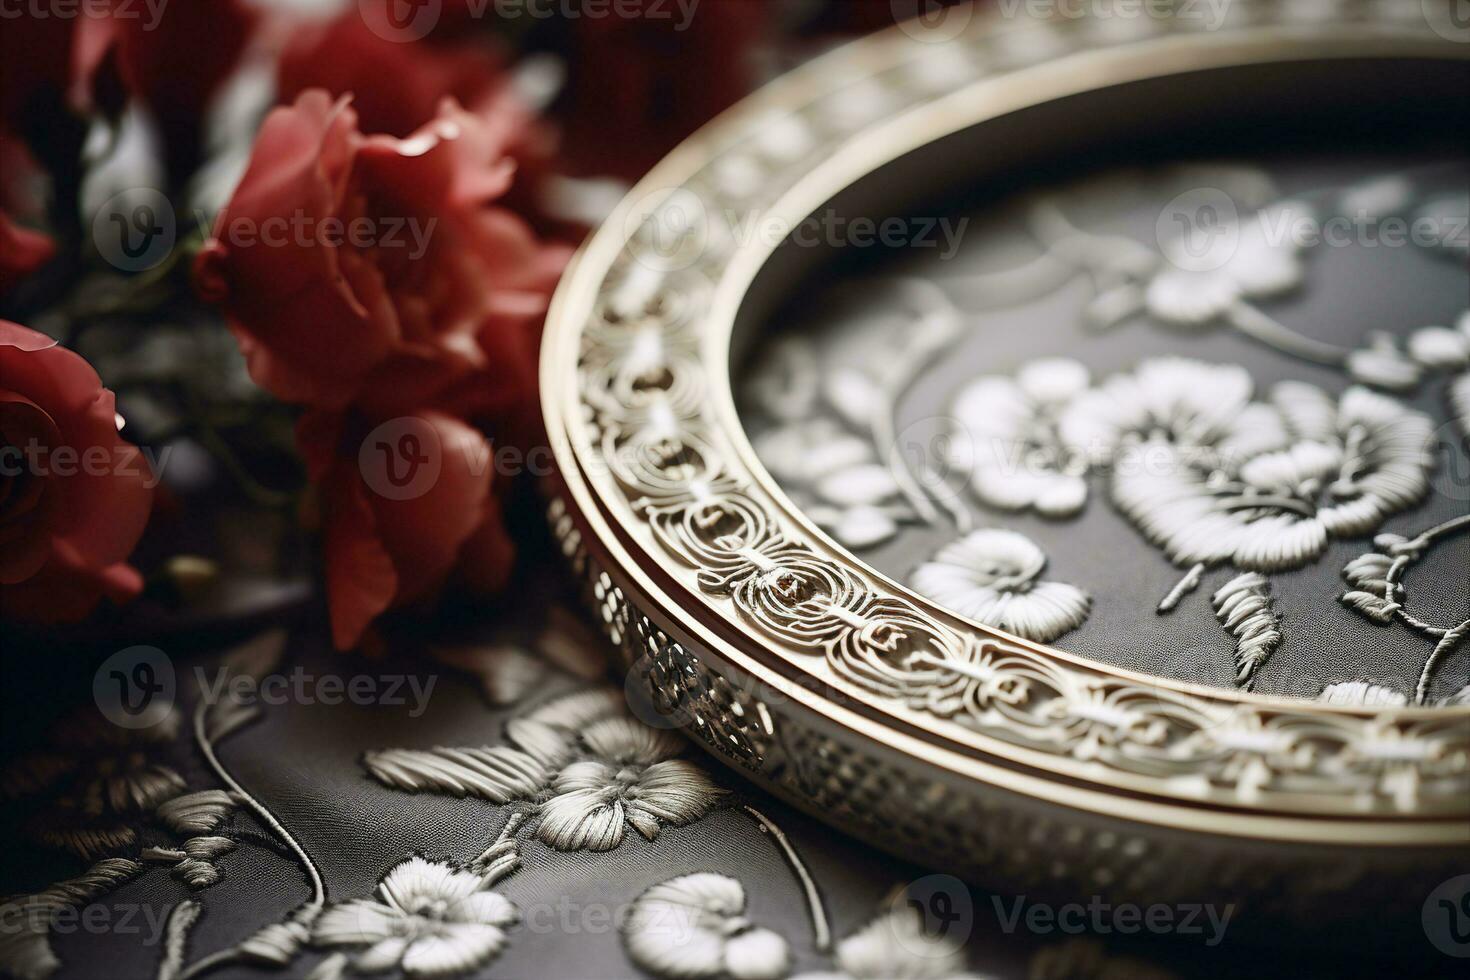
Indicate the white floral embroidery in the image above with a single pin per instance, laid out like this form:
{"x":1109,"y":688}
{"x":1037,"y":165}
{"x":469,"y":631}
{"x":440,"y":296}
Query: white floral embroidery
{"x":894,"y":945}
{"x":1211,"y":477}
{"x":1243,"y":606}
{"x":1378,"y":592}
{"x":98,"y":781}
{"x":694,"y":927}
{"x":25,"y":941}
{"x":430,"y":919}
{"x":1262,"y":264}
{"x":629,"y":775}
{"x":1460,"y":401}
{"x":588,"y":766}
{"x":993,"y":577}
{"x":1362,"y":693}
{"x":857,"y":497}
{"x":1006,"y":436}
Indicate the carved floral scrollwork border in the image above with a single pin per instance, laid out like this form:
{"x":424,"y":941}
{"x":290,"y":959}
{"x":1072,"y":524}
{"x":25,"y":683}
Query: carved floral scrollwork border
{"x":643,"y":413}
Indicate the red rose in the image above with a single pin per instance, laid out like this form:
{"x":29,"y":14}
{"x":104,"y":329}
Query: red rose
{"x":396,"y":86}
{"x":74,"y":496}
{"x":643,"y":82}
{"x":22,"y":251}
{"x":388,"y":317}
{"x":403,"y":502}
{"x":172,"y":58}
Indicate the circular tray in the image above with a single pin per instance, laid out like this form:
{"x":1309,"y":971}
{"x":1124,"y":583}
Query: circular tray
{"x":804,"y":571}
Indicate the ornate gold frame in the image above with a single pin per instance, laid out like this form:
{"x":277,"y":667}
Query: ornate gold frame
{"x":821,"y":678}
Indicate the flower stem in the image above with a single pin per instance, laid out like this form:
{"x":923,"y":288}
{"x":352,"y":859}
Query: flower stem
{"x":1182,"y":588}
{"x":821,"y":933}
{"x":1271,"y":332}
{"x":1444,"y":646}
{"x":268,"y":819}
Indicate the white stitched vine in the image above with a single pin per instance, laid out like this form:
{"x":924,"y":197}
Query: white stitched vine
{"x":1379,"y":593}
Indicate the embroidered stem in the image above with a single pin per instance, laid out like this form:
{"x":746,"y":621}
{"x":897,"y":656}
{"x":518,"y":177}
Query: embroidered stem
{"x":1271,"y":332}
{"x":175,"y":937}
{"x":821,"y":933}
{"x":1182,"y":588}
{"x":314,"y":878}
{"x":1444,"y":646}
{"x":502,"y":856}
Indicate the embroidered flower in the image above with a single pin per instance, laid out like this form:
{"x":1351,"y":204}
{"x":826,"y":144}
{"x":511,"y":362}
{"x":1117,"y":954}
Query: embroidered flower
{"x":856,"y":495}
{"x":589,"y":766}
{"x":1261,"y":263}
{"x":1211,"y":477}
{"x":1006,"y":435}
{"x":429,"y":920}
{"x":993,"y":577}
{"x":896,"y":945}
{"x":694,"y":927}
{"x":627,"y":775}
{"x":100,"y":779}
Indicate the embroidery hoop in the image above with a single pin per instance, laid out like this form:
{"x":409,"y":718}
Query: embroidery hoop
{"x":835,"y":686}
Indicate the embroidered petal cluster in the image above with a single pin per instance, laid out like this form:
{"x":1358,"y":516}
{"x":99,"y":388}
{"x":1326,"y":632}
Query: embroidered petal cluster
{"x":694,"y":926}
{"x":428,"y":920}
{"x":994,"y":577}
{"x":1007,"y":435}
{"x":1211,"y":476}
{"x":592,"y":770}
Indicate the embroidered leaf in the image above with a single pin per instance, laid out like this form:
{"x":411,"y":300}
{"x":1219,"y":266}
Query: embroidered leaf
{"x":498,"y":774}
{"x":278,"y":943}
{"x":1460,"y":401}
{"x":1243,"y":606}
{"x":176,"y":938}
{"x":197,"y":813}
{"x":25,"y":946}
{"x":896,"y":944}
{"x":1358,"y":693}
{"x":507,"y":673}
